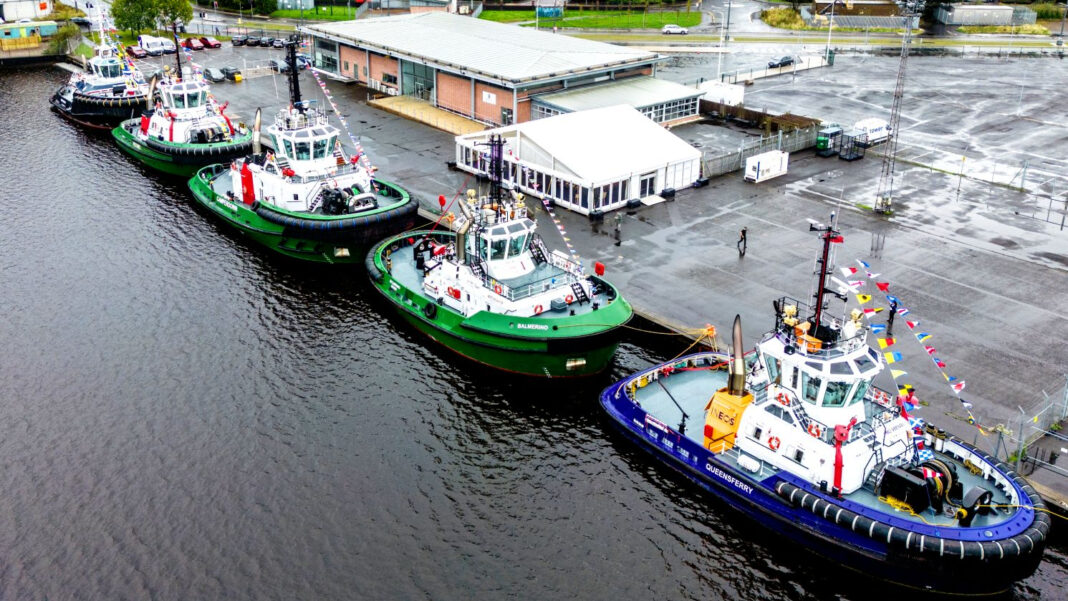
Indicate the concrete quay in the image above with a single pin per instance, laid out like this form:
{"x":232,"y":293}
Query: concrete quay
{"x":980,"y":263}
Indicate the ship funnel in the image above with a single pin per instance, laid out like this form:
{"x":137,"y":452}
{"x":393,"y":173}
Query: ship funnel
{"x":461,"y":234}
{"x":151,"y":92}
{"x":736,"y":384}
{"x":256,"y":134}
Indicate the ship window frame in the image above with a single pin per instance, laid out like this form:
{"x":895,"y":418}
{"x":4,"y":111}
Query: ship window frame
{"x":859,"y":391}
{"x":289,"y":148}
{"x":774,"y":366}
{"x":806,"y":386}
{"x":306,"y":154}
{"x":843,"y":387}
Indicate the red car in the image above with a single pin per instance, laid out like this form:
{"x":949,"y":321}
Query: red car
{"x":210,"y":42}
{"x":192,"y":44}
{"x":136,"y":51}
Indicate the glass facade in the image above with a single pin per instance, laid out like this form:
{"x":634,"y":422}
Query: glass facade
{"x":326,"y":55}
{"x":416,"y":79}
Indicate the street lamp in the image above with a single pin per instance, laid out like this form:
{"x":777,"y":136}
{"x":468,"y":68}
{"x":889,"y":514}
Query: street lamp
{"x":1064,"y":13}
{"x":830,"y":24}
{"x":719,"y":61}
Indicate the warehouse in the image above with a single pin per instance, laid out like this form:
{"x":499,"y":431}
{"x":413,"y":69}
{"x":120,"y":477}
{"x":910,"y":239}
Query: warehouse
{"x":588,"y":161}
{"x":482,"y":70}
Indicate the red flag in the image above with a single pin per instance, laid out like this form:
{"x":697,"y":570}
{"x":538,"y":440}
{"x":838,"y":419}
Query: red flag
{"x":837,"y":240}
{"x":930,"y":350}
{"x":884,"y":286}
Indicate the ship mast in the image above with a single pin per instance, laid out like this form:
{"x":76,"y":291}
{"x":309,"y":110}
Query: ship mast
{"x":829,"y":235}
{"x":294,"y":83}
{"x":177,"y":51}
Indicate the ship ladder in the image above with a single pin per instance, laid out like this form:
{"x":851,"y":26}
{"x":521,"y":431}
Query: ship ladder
{"x":537,"y":249}
{"x":580,"y":293}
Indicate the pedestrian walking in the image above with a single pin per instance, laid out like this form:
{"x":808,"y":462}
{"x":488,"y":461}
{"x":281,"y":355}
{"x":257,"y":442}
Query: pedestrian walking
{"x":890,"y":319}
{"x":742,"y":242}
{"x":619,"y":232}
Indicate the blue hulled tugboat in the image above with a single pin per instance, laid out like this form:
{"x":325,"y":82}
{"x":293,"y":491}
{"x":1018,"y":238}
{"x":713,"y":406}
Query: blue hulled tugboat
{"x":795,"y":435}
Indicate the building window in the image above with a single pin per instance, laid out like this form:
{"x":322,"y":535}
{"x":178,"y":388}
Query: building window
{"x":389,"y":78}
{"x":346,"y":65}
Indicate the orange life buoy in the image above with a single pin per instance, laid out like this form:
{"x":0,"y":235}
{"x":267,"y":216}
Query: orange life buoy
{"x":497,"y":288}
{"x":569,"y":299}
{"x":783,"y":399}
{"x":773,"y":443}
{"x":538,"y":309}
{"x":814,"y":430}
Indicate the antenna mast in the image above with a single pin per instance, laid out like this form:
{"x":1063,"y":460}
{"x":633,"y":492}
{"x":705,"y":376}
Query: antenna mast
{"x":884,"y":196}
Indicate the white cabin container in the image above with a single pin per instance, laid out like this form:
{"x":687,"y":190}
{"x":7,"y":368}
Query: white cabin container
{"x":873,"y":130}
{"x":766,"y":165}
{"x":718,"y":91}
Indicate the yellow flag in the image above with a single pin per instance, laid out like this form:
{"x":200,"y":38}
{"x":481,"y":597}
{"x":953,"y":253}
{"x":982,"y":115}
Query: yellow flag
{"x":863,"y":298}
{"x":897,"y":373}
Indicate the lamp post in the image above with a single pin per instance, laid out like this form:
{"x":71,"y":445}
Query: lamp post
{"x":719,"y":61}
{"x":1064,"y":13}
{"x":727,"y":36}
{"x":830,"y":24}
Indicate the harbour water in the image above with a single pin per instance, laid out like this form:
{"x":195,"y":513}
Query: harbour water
{"x":185,"y":416}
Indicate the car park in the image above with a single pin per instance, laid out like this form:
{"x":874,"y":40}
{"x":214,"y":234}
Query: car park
{"x":214,"y":75}
{"x":231,"y":73}
{"x":785,"y":61}
{"x":210,"y":42}
{"x":672,"y":29}
{"x":192,"y":44}
{"x":136,"y":52}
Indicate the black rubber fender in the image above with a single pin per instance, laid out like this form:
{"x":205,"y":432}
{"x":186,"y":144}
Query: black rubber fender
{"x":372,"y":269}
{"x":430,"y":310}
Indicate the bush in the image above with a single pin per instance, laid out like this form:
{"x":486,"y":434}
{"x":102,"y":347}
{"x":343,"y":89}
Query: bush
{"x":62,"y":12}
{"x":1048,"y":11}
{"x":62,"y":38}
{"x":783,"y":18}
{"x":1019,"y":29}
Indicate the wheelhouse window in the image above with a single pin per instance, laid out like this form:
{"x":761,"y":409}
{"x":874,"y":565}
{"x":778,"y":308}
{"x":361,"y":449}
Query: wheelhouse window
{"x":289,"y":147}
{"x":497,"y":248}
{"x":836,"y":394}
{"x":859,"y":391}
{"x":811,"y":387}
{"x":773,"y":368}
{"x":303,"y":150}
{"x":517,"y":245}
{"x":320,"y":148}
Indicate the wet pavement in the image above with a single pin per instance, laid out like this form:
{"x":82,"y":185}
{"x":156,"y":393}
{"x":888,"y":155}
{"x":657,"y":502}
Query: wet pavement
{"x":978,"y":263}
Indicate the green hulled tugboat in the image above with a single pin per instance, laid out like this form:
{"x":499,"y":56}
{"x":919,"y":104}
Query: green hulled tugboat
{"x":492,"y":292}
{"x":185,"y":129}
{"x":305,"y":199}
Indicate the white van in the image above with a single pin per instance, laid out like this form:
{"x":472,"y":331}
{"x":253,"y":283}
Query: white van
{"x":873,"y":131}
{"x":152,"y":45}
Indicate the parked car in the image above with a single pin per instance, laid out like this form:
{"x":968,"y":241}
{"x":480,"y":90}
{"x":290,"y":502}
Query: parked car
{"x":136,"y":51}
{"x":672,"y":29}
{"x":75,"y":20}
{"x":231,"y":73}
{"x":266,"y":41}
{"x":214,"y":75}
{"x":168,"y":46}
{"x":238,"y":40}
{"x":252,"y":41}
{"x":279,"y":43}
{"x":303,"y":62}
{"x":785,"y":61}
{"x":192,"y":44}
{"x":279,"y":65}
{"x":210,"y":42}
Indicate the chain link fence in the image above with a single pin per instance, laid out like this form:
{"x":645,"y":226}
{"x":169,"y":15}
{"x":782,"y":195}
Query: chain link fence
{"x":719,"y":164}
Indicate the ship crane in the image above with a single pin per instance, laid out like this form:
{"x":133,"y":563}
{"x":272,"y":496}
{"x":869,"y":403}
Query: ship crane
{"x":884,"y":195}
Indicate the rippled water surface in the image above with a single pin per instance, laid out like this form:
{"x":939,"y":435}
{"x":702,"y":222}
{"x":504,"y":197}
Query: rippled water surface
{"x":187,"y":417}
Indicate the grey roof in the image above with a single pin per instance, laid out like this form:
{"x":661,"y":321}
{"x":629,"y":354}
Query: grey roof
{"x":639,"y":92}
{"x":508,"y":53}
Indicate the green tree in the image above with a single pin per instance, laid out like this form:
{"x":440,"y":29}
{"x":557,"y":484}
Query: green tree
{"x":170,"y":11}
{"x":134,"y":15}
{"x":266,"y":7}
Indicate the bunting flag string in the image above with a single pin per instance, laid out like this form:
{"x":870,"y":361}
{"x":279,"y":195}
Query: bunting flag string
{"x":957,"y":386}
{"x":360,"y":155}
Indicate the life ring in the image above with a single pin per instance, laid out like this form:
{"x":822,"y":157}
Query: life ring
{"x":538,"y":309}
{"x":569,"y":299}
{"x":773,"y":443}
{"x":783,"y":399}
{"x":814,"y":430}
{"x":497,"y":288}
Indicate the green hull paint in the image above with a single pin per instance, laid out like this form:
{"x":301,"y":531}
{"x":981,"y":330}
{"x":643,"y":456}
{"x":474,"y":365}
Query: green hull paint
{"x":273,"y":235}
{"x":169,"y":163}
{"x":534,"y":346}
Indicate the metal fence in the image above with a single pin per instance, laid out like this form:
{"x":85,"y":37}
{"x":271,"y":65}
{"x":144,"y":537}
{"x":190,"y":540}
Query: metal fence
{"x":792,"y":141}
{"x":1035,"y":438}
